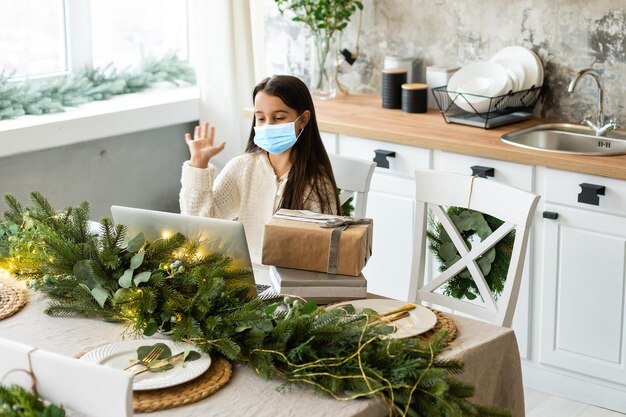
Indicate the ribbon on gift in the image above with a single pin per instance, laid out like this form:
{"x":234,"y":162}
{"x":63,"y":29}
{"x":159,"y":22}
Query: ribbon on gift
{"x":339,"y":225}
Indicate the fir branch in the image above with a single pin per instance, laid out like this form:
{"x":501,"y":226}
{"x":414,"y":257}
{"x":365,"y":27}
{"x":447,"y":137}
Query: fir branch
{"x":16,"y":211}
{"x":206,"y":302}
{"x":15,"y":401}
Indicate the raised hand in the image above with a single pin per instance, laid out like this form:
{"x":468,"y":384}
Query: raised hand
{"x":201,"y":146}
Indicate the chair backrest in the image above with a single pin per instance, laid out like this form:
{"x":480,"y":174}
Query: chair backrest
{"x":353,"y":177}
{"x":435,"y":192}
{"x":89,"y":389}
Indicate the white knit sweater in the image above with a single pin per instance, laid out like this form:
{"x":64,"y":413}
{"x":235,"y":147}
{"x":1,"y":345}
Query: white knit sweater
{"x":246,"y":189}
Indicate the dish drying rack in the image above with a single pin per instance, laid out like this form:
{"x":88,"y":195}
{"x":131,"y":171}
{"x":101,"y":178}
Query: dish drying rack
{"x":502,"y":110}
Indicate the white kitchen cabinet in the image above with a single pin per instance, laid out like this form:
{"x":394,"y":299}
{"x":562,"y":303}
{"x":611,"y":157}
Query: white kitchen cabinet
{"x":583,"y":288}
{"x":330,"y":142}
{"x":517,"y":175}
{"x":584,"y":275}
{"x":391,"y":204}
{"x":389,"y":270}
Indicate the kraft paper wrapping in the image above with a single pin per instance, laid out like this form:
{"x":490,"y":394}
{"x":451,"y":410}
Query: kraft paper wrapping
{"x":302,"y":244}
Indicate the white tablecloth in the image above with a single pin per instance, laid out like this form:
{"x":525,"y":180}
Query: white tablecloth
{"x":490,"y":354}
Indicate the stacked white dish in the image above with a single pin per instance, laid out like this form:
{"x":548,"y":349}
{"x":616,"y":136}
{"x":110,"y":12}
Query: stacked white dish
{"x":510,"y":70}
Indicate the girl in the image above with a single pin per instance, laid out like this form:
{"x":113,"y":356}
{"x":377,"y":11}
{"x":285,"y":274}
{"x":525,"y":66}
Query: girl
{"x":285,"y":164}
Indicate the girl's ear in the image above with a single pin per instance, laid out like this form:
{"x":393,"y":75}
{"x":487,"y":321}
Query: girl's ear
{"x":304,"y":118}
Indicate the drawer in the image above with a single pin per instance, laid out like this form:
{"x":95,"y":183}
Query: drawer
{"x":510,"y":173}
{"x":405,"y":161}
{"x":564,"y":187}
{"x":391,"y":184}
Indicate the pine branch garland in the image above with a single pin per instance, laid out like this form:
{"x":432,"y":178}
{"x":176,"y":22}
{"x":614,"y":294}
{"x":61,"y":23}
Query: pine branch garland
{"x":163,"y":286}
{"x":102,"y":83}
{"x":15,"y":401}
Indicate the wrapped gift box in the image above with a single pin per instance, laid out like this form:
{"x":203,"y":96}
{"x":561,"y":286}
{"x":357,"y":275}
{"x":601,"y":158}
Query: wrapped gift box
{"x":318,"y":286}
{"x":305,"y":240}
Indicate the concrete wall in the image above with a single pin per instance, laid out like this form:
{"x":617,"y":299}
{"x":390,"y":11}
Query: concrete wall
{"x":568,"y":35}
{"x":141,"y":169}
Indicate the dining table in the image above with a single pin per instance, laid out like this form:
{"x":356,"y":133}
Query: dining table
{"x":490,"y":355}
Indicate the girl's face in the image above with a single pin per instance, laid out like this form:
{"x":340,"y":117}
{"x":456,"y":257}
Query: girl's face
{"x":271,"y":110}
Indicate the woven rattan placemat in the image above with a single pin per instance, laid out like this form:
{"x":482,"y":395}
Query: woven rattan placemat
{"x":213,"y":379}
{"x":195,"y":390}
{"x":12,"y":299}
{"x":443,"y":323}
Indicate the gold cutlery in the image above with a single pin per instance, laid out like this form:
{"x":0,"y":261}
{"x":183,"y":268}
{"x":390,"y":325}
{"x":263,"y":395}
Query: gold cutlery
{"x":152,"y":355}
{"x":168,"y":361}
{"x":389,"y":319}
{"x":393,"y":315}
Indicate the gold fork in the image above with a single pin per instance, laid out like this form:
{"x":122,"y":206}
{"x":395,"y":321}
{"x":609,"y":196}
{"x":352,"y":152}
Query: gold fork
{"x":163,"y":362}
{"x":152,"y":355}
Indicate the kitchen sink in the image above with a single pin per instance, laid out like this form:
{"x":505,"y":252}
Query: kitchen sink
{"x":568,"y":138}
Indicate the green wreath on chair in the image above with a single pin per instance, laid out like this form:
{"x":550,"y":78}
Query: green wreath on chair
{"x":473,"y":226}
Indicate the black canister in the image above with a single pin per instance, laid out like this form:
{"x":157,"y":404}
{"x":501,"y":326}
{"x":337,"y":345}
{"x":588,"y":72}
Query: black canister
{"x":415,"y":98}
{"x":393,"y":78}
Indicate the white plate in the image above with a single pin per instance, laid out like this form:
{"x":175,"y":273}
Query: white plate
{"x":419,"y":320}
{"x":539,"y":82}
{"x":516,"y":73}
{"x":119,"y":355}
{"x":533,"y":68}
{"x":488,"y":79}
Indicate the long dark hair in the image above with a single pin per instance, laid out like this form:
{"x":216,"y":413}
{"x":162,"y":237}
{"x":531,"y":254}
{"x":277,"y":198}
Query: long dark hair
{"x":311,"y":170}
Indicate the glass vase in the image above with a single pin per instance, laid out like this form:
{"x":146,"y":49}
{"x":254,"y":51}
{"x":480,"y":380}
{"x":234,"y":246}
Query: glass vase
{"x":324,"y":66}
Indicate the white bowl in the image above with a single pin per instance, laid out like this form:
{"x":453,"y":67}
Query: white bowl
{"x":477,"y":83}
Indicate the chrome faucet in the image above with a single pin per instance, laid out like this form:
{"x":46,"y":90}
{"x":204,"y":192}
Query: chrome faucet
{"x":599,"y":126}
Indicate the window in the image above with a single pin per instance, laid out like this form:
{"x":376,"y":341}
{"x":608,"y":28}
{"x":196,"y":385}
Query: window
{"x":51,"y":37}
{"x":32,"y":37}
{"x":125,"y":31}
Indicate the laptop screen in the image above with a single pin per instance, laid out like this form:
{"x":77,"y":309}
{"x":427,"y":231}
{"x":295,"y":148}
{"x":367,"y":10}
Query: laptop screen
{"x":226,"y":237}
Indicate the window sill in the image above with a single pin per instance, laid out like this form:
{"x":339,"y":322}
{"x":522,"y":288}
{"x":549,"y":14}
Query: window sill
{"x":120,"y":115}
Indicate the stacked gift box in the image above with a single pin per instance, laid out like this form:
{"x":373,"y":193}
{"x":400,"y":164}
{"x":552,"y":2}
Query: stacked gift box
{"x":316,"y":256}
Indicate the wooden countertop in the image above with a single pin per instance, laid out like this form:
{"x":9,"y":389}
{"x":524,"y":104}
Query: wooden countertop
{"x":362,"y":115}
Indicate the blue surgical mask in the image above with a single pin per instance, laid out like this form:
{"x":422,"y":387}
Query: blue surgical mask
{"x":276,"y":138}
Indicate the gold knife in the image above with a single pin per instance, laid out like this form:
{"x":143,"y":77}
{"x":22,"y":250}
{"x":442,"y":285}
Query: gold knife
{"x":167,"y":361}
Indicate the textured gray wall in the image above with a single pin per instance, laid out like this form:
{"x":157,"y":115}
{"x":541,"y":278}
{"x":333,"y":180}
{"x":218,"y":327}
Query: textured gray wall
{"x":140,"y":170}
{"x":568,"y":35}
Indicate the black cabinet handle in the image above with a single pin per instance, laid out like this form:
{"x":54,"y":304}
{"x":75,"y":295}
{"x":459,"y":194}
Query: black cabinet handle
{"x":483,"y":172}
{"x":381,"y":157}
{"x":550,"y":215}
{"x":590,"y":193}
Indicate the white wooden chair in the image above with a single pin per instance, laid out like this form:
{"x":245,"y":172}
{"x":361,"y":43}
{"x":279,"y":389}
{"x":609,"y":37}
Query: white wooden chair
{"x":89,"y":389}
{"x":353,"y":177}
{"x":436,"y":190}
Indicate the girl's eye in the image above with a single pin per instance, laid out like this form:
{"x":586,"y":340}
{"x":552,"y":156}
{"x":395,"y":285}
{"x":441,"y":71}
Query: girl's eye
{"x":278,"y":119}
{"x":260,"y":120}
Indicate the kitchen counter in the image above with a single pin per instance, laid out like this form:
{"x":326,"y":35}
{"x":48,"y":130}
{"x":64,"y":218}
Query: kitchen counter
{"x":362,"y":115}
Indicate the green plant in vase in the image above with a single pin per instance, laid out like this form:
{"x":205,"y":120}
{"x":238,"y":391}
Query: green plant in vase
{"x":325,"y":19}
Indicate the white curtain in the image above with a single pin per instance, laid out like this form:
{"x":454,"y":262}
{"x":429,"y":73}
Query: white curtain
{"x":222,"y":54}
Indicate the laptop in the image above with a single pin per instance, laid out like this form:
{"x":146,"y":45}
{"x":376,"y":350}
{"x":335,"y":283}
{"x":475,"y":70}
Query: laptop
{"x":226,"y":237}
